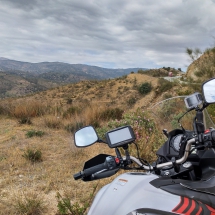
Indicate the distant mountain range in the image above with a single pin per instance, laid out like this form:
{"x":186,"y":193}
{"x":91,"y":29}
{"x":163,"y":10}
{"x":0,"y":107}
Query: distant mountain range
{"x":19,"y":78}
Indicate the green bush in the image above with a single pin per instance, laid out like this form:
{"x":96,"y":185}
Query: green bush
{"x":145,"y":88}
{"x":25,"y":120}
{"x":30,"y":204}
{"x":110,"y":113}
{"x":2,"y":157}
{"x":33,"y":133}
{"x":167,"y":96}
{"x":53,"y":122}
{"x":131,"y":101}
{"x":196,"y":87}
{"x":2,"y":110}
{"x":33,"y":155}
{"x":211,"y":111}
{"x":140,"y":71}
{"x":69,"y":101}
{"x":72,"y":111}
{"x":185,"y":92}
{"x":165,"y":85}
{"x":65,"y":207}
{"x":148,"y":137}
{"x":72,"y":127}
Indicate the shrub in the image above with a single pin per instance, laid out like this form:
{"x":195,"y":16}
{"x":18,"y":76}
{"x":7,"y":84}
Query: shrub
{"x":167,"y":96}
{"x":34,"y":133}
{"x":30,"y":204}
{"x":2,"y":157}
{"x":72,"y":111}
{"x":185,"y":92}
{"x":65,"y":207}
{"x":165,"y":85}
{"x":204,"y":68}
{"x":2,"y":110}
{"x":28,"y":109}
{"x":211,"y":111}
{"x":72,"y":127}
{"x":69,"y":101}
{"x":140,"y":71}
{"x":25,"y":120}
{"x":196,"y":87}
{"x":33,"y":155}
{"x":53,"y":122}
{"x":148,"y":137}
{"x":131,"y":101}
{"x":145,"y":88}
{"x":110,"y":113}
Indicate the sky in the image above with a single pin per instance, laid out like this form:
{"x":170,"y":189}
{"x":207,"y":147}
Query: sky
{"x":106,"y":33}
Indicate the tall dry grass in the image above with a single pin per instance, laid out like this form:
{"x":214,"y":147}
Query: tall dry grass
{"x":23,"y":108}
{"x":60,"y":160}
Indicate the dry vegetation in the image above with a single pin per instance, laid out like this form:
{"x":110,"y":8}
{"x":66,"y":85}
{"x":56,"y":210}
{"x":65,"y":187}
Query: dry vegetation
{"x":56,"y":114}
{"x":60,"y":159}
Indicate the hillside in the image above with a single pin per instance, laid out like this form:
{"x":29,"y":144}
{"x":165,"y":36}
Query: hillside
{"x":22,"y":78}
{"x":202,"y":68}
{"x":120,"y":92}
{"x":13,"y":85}
{"x":45,"y":122}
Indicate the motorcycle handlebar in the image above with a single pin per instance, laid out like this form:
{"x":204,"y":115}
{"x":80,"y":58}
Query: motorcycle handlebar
{"x":107,"y":165}
{"x":179,"y":161}
{"x":90,"y":171}
{"x":213,"y":135}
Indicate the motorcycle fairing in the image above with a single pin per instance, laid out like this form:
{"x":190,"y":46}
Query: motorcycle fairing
{"x":148,"y":211}
{"x":130,"y":192}
{"x":186,"y":206}
{"x":192,"y":207}
{"x":177,"y":189}
{"x":201,"y":186}
{"x":174,"y":186}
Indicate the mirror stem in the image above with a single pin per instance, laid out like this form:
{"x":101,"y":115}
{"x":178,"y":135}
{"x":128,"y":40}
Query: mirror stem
{"x":101,"y":141}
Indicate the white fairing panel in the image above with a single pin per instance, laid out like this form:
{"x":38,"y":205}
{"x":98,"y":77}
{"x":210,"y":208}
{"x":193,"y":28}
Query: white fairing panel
{"x":131,"y":191}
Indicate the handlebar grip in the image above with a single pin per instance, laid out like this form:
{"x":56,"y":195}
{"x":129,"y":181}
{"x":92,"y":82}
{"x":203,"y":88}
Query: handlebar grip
{"x":78,"y":175}
{"x":94,"y":169}
{"x":90,"y":171}
{"x":213,"y":136}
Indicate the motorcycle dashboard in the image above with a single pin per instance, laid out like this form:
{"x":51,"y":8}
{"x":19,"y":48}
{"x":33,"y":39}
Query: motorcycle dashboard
{"x":176,"y":142}
{"x":120,"y":136}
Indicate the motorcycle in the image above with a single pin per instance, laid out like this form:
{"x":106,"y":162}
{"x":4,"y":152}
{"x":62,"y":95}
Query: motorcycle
{"x":180,"y":181}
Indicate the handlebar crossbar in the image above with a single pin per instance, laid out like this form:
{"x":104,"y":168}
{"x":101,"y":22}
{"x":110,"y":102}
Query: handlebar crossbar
{"x":159,"y":166}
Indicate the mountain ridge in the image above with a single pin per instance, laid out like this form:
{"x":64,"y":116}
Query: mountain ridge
{"x":20,"y":78}
{"x":49,"y":66}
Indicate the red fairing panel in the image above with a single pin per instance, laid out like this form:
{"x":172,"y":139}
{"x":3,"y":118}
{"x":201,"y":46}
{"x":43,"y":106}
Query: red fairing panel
{"x":192,"y":207}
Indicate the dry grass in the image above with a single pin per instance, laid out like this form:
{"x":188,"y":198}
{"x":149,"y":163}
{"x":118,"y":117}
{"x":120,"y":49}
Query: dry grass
{"x":54,"y":174}
{"x":60,"y":158}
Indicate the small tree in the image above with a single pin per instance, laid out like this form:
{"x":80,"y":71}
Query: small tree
{"x":145,"y":88}
{"x":193,"y":53}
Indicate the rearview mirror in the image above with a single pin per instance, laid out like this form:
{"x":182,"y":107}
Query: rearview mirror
{"x":85,"y":137}
{"x":208,"y":89}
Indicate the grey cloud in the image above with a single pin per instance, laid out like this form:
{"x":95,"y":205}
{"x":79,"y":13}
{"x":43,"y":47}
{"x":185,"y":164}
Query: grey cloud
{"x":118,"y":33}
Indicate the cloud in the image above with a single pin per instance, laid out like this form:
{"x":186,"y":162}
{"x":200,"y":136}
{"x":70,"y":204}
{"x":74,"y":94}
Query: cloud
{"x":106,"y":33}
